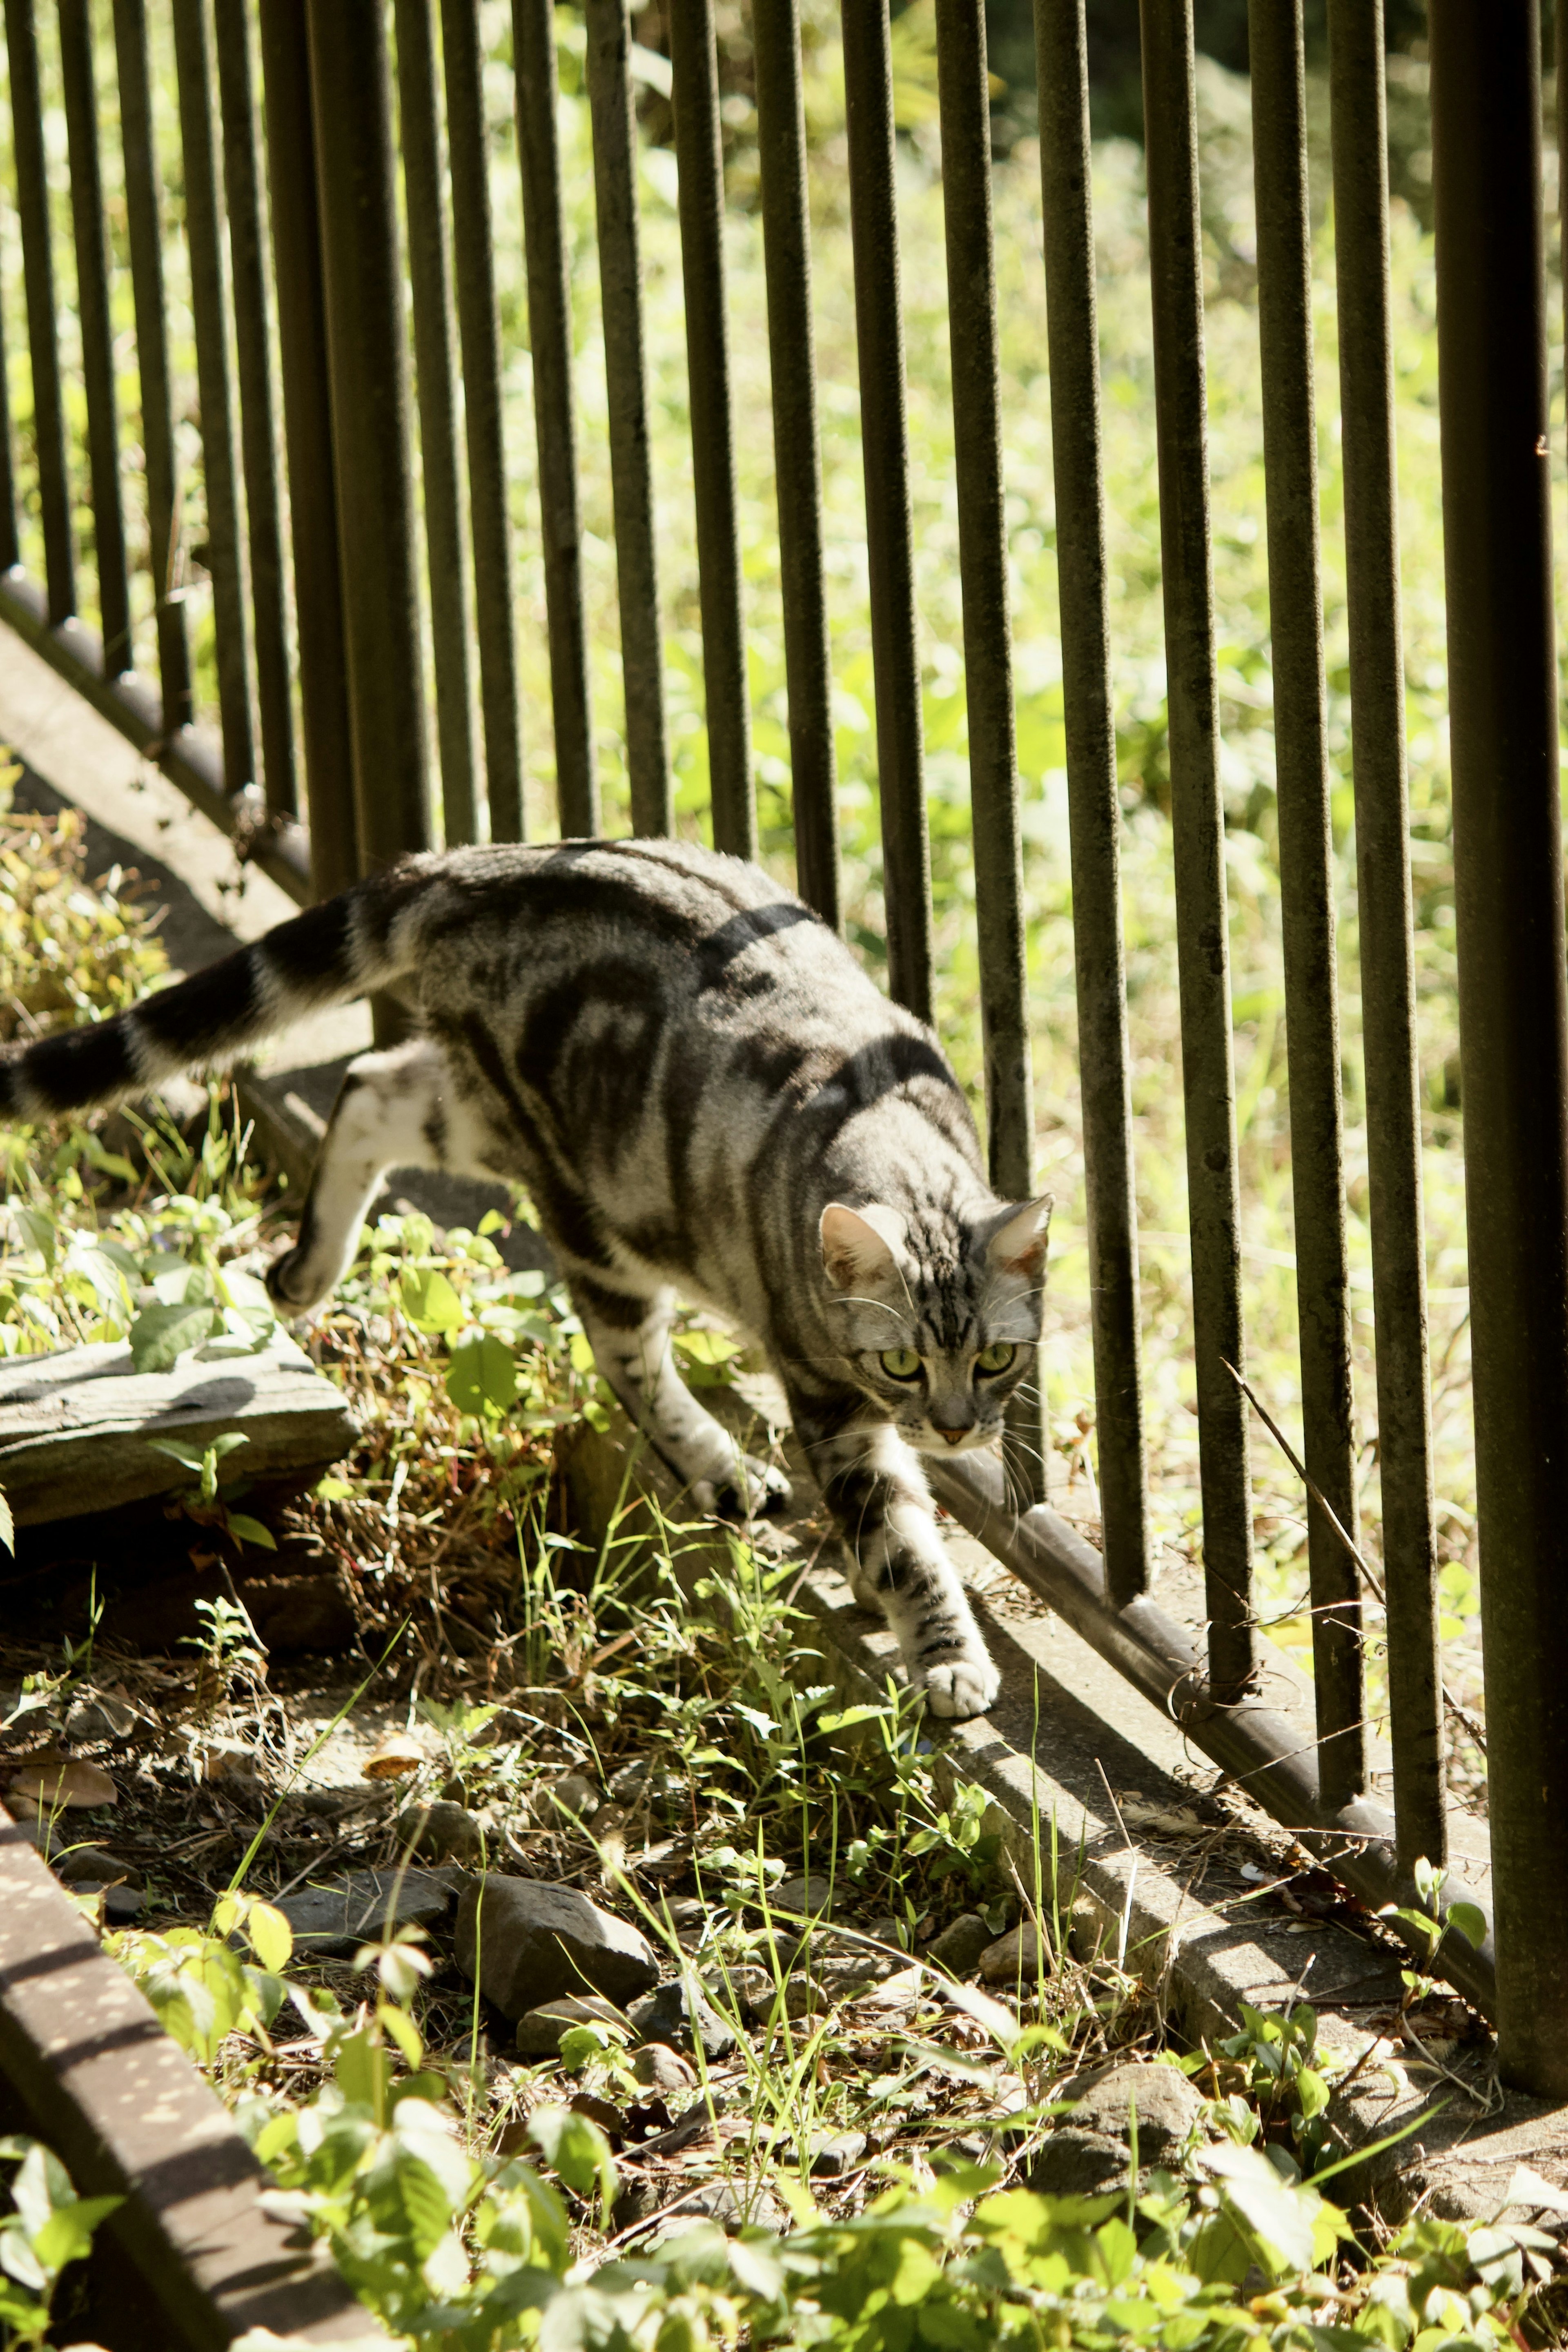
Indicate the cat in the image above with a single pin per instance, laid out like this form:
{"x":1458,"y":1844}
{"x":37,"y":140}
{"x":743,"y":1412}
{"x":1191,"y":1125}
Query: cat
{"x":702,"y":1092}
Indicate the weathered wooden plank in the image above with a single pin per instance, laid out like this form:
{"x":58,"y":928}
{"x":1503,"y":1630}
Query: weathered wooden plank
{"x":75,"y":1425}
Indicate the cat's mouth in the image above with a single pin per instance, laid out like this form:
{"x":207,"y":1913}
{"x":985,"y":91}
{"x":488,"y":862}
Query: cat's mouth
{"x":932,"y":1440}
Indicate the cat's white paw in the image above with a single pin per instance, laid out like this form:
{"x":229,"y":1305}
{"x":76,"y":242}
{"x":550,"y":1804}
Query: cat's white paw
{"x":963,"y":1686}
{"x":764,"y":1490}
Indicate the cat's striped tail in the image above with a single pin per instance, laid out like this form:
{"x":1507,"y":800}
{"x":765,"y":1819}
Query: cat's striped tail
{"x":329,"y":955}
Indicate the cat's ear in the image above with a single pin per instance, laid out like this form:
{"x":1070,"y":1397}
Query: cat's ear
{"x":857,"y":1246}
{"x":1017,"y":1240}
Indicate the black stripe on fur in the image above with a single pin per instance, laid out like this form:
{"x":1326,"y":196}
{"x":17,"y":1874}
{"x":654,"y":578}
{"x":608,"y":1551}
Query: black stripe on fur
{"x":315,"y":951}
{"x":74,"y":1069}
{"x":211,"y":1012}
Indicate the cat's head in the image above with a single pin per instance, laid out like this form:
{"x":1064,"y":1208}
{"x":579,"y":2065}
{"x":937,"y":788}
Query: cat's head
{"x":937,"y":1315}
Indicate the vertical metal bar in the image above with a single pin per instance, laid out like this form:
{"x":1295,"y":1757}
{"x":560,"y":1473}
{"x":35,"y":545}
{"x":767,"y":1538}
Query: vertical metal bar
{"x":430,"y":284}
{"x":257,"y":414}
{"x":469,"y":151}
{"x":1306,"y":878}
{"x":10,"y":546}
{"x":549,"y":336}
{"x":80,"y":89}
{"x":699,"y":155}
{"x":1094,"y":807}
{"x":293,"y":189}
{"x":38,"y":276}
{"x":1513,"y":1018}
{"x":797,"y":459}
{"x":1358,"y":111}
{"x":625,"y":381}
{"x":209,"y":313}
{"x":1208,"y":1079}
{"x":884,"y":430}
{"x":368,"y":365}
{"x":145,"y":231}
{"x":964,"y":100}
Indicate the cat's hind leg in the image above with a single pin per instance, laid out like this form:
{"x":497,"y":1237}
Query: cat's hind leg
{"x":395,"y":1111}
{"x":629,"y":1335}
{"x":875,"y":1488}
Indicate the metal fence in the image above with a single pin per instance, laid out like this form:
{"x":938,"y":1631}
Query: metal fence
{"x":302,"y":304}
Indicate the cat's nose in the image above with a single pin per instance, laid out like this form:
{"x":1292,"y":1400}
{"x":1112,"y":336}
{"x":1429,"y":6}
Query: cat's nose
{"x":953,"y":1436}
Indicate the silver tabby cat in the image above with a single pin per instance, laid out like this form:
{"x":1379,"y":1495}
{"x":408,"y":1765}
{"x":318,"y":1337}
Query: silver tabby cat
{"x":703,"y":1093}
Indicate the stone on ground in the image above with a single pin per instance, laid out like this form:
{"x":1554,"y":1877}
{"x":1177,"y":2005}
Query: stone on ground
{"x":334,"y":1920}
{"x":1020,"y":1952}
{"x":961,"y":1946}
{"x":681,"y":2016}
{"x":530,"y":1940}
{"x":443,"y":1831}
{"x":540,"y":2032}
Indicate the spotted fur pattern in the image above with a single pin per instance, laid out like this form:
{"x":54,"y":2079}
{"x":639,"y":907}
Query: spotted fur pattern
{"x":705,"y":1096}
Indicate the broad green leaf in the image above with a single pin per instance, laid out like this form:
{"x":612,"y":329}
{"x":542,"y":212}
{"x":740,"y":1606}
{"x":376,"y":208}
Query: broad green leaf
{"x":245,"y":1529}
{"x":483,"y":1373}
{"x":160,"y":1335}
{"x":67,"y":2235}
{"x":18,"y":2260}
{"x":1469,"y":1920}
{"x":271,"y":1937}
{"x":429,"y":1300}
{"x":578,"y":2149}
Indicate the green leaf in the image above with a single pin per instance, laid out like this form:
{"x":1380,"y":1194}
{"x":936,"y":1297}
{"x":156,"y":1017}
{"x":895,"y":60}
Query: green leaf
{"x":160,"y":1335}
{"x":18,"y":2260}
{"x":271,"y":1937}
{"x":1470,"y":1921}
{"x":429,"y":1300}
{"x":245,"y":1529}
{"x":578,"y":2149}
{"x":483,"y":1373}
{"x":67,"y":2235}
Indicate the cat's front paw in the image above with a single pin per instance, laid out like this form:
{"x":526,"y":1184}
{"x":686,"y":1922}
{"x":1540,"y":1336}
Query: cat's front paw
{"x":764,"y":1492}
{"x":292,"y":1285}
{"x":961,"y":1687}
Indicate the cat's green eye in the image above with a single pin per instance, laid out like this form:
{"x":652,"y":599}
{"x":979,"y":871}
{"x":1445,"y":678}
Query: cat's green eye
{"x":996,"y":1357}
{"x":901,"y":1363}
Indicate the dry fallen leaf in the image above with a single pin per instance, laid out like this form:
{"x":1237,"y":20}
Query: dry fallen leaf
{"x":49,"y":1782}
{"x":399,"y":1752}
{"x":1169,"y":1821}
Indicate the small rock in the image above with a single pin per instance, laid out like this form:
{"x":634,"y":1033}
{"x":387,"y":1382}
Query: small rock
{"x":399,"y":1753}
{"x":122,"y":1903}
{"x":628,"y":1786}
{"x":889,"y":1931}
{"x":444,"y":1832}
{"x":832,"y":2154}
{"x":717,"y":2200}
{"x":661,"y":2068}
{"x":751,"y":1991}
{"x":47,"y":1783}
{"x":232,"y":1768}
{"x":541,"y":2032}
{"x":1020,"y":1953}
{"x":961,"y":1946}
{"x":1076,"y":2163}
{"x":85,"y":1865}
{"x":855,"y":1973}
{"x":336,"y":1919}
{"x":534,"y":1940}
{"x":568,"y":1803}
{"x":98,"y":1716}
{"x":811,"y":1894}
{"x":1167,"y":2106}
{"x":680,"y":2015}
{"x":802,"y":1998}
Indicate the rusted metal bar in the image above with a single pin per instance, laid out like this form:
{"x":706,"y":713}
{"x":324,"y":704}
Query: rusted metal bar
{"x":798,"y":459}
{"x":368,"y":369}
{"x":1093,"y":803}
{"x":1270,"y":1755}
{"x":884,"y":431}
{"x":86,"y":2066}
{"x":1513,"y":1006}
{"x":257,"y":408}
{"x":556,"y":428}
{"x":700,"y":153}
{"x":10,"y":547}
{"x":430,"y":285}
{"x":294,"y":192}
{"x":144,"y":226}
{"x":478,"y":328}
{"x":1358,"y":111}
{"x":1208,"y":1079}
{"x":79,"y":85}
{"x":1305,"y":878}
{"x":39,"y":277}
{"x":214,"y":382}
{"x":964,"y":100}
{"x":626,"y":384}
